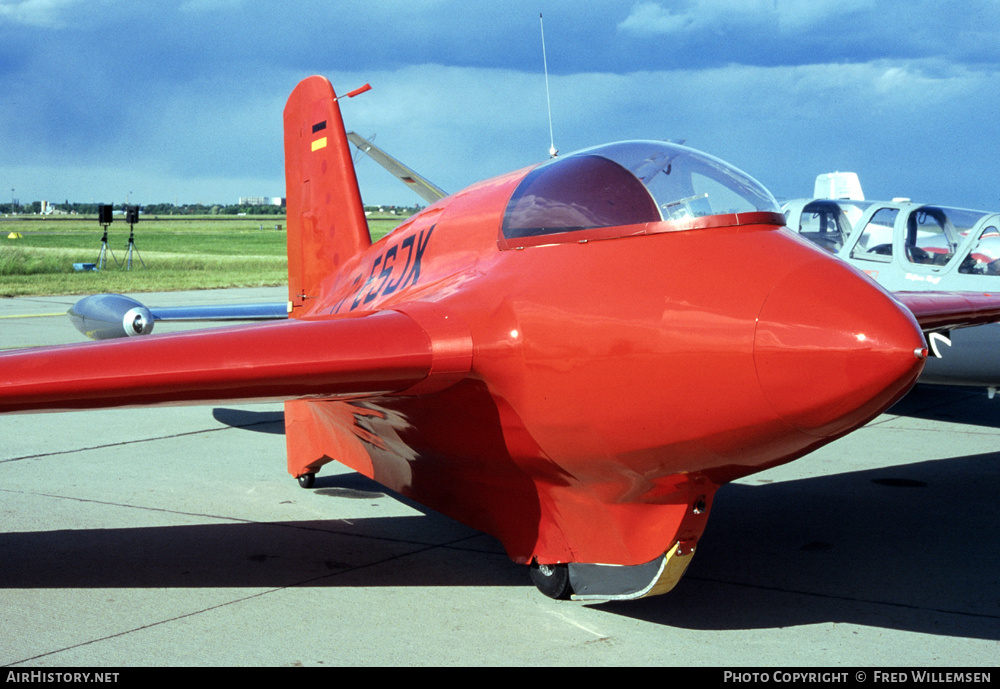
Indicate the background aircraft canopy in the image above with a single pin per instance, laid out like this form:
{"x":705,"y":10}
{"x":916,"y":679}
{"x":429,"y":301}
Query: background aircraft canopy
{"x":627,"y":184}
{"x":939,"y":237}
{"x":931,"y":235}
{"x":827,"y":223}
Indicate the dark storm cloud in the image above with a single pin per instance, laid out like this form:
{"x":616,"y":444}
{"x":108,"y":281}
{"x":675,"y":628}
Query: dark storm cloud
{"x":184,"y":98}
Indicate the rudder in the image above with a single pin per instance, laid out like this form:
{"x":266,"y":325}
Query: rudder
{"x":326,"y":219}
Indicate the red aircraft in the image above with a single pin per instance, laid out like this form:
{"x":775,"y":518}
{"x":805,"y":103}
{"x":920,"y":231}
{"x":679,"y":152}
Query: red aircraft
{"x":571,"y":357}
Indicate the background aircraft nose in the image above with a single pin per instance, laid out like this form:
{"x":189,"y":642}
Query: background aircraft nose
{"x":832,"y":350}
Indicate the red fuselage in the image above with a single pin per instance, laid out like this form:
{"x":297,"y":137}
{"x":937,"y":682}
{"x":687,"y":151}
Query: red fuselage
{"x":615,"y":383}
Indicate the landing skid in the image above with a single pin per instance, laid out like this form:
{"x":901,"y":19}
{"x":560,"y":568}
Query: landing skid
{"x":584,"y":581}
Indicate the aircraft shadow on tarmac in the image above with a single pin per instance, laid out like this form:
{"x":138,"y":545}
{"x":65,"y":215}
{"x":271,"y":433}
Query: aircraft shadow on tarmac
{"x":258,"y":421}
{"x":964,"y":405}
{"x":333,"y":552}
{"x":912,"y":547}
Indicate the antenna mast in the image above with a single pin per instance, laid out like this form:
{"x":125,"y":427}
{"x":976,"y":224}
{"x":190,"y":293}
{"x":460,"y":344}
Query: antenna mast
{"x":548,"y":101}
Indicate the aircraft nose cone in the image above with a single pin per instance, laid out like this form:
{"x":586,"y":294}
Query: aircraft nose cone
{"x":832,"y":350}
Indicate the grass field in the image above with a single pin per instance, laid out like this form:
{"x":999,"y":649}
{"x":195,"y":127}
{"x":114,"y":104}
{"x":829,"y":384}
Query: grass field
{"x":186,"y":252}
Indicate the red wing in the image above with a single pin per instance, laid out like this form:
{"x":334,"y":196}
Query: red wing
{"x":947,"y":310}
{"x":387,"y":352}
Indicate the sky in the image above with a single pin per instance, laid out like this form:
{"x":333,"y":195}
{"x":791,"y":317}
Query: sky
{"x":180,"y":101}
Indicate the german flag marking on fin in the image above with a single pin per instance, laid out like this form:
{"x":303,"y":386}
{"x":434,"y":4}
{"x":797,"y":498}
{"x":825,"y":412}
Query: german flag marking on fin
{"x":318,"y":144}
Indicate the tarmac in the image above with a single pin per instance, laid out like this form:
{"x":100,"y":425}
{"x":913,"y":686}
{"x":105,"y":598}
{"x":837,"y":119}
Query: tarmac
{"x":174,"y":537}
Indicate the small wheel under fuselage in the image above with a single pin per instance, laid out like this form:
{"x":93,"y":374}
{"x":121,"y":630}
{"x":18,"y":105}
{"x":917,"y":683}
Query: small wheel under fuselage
{"x":552,"y":580}
{"x":307,"y":480}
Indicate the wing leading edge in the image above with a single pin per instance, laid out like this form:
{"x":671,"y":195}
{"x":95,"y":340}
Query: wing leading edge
{"x":380,"y":353}
{"x":937,"y":311}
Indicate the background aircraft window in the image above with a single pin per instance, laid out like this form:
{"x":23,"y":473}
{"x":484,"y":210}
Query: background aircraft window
{"x":875,"y":243}
{"x":984,"y":258}
{"x":963,"y":219}
{"x":825,"y":224}
{"x":929,"y":237}
{"x":853,"y":209}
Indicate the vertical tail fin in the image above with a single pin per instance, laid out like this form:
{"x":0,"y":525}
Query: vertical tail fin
{"x":326,"y":220}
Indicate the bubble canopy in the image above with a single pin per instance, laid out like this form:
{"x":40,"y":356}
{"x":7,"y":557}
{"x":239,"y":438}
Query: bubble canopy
{"x":632,"y":183}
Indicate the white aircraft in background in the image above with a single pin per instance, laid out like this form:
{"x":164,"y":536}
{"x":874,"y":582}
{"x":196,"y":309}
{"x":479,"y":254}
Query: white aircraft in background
{"x":913,"y":247}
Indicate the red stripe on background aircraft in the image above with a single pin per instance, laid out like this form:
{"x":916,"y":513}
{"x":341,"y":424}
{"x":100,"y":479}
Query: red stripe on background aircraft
{"x":571,"y":357}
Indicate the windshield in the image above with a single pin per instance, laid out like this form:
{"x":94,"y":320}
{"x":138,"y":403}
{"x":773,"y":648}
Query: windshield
{"x":629,"y":183}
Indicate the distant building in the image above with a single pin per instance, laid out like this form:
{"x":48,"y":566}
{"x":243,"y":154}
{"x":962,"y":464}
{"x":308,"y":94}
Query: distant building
{"x":46,"y":208}
{"x":262,"y":201}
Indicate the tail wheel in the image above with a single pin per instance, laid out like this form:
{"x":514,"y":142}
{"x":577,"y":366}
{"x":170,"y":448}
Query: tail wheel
{"x":552,"y":580}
